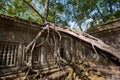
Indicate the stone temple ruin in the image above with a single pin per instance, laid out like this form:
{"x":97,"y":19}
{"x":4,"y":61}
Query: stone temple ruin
{"x":16,"y":34}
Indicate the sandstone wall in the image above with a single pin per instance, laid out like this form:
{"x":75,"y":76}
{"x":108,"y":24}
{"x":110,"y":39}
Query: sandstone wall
{"x":16,"y":30}
{"x":109,"y":33}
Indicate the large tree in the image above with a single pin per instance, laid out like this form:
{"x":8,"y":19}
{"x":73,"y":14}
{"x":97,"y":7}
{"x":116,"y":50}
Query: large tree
{"x":63,"y":12}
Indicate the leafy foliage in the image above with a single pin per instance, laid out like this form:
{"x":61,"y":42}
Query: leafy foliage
{"x":64,"y":11}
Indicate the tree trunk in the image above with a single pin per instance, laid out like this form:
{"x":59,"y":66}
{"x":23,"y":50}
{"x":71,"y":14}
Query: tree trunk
{"x":110,"y":6}
{"x":46,"y":10}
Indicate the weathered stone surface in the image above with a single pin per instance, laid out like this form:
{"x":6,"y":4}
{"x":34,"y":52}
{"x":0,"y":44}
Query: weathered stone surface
{"x":109,"y":33}
{"x":16,"y":30}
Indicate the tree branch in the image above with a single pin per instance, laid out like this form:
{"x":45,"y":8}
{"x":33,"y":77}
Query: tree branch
{"x":99,"y":11}
{"x":34,"y":9}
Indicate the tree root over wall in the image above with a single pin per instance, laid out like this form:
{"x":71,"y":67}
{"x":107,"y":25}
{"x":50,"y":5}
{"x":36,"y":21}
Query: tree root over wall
{"x":87,"y":40}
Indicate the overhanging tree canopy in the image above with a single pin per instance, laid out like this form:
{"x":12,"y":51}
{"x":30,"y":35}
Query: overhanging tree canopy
{"x":65,"y":11}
